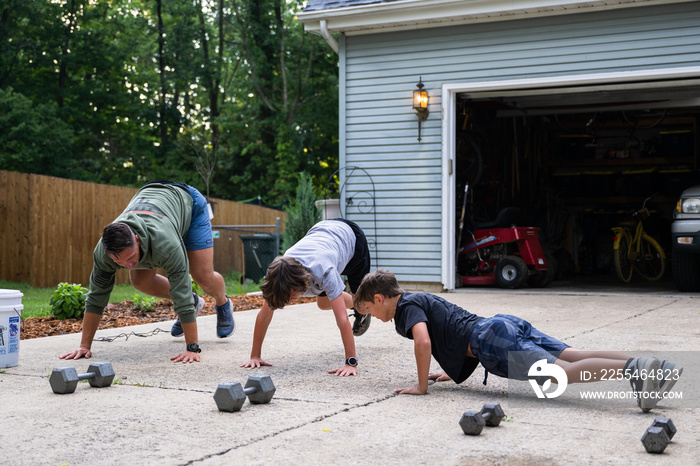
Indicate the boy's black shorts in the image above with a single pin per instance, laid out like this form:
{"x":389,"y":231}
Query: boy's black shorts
{"x":359,"y":265}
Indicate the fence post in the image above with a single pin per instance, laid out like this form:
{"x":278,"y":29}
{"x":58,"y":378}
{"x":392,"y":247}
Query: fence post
{"x":243,"y":266}
{"x":277,"y":237}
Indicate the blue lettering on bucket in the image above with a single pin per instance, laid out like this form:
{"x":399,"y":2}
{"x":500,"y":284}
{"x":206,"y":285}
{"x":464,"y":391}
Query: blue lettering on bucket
{"x":14,"y":335}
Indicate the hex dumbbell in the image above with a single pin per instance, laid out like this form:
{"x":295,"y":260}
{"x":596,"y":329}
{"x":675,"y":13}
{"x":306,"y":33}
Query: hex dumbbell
{"x":658,"y":435}
{"x":473,"y":422}
{"x":230,"y":396}
{"x":65,"y":379}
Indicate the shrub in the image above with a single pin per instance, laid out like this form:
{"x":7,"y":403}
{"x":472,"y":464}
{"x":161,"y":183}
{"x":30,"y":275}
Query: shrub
{"x":145,"y":303}
{"x":196,"y":288}
{"x":301,"y":214}
{"x":68,"y":301}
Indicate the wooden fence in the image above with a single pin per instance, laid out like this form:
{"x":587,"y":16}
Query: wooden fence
{"x":49,"y":227}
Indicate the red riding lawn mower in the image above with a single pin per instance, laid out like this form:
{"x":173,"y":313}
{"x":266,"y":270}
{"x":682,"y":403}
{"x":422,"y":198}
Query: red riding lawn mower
{"x":499,"y":252}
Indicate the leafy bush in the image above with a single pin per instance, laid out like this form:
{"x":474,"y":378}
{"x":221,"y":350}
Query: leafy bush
{"x":301,"y":214}
{"x":145,"y":303}
{"x":68,"y":301}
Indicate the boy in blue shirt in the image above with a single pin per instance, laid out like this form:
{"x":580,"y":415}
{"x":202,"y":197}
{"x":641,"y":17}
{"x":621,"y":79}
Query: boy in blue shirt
{"x":505,"y":345}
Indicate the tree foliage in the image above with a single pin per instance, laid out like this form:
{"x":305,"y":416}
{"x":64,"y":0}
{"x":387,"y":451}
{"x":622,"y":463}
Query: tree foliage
{"x":302,"y":213}
{"x":233,"y":97}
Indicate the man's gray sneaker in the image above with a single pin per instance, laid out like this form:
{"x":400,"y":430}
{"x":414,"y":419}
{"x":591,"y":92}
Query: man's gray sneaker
{"x":671,"y":372}
{"x":361,"y":324}
{"x":643,"y":375}
{"x":176,"y":329}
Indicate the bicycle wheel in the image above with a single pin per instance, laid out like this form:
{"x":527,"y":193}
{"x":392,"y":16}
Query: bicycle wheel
{"x":470,"y":159}
{"x":651,"y":261}
{"x":623,"y":265}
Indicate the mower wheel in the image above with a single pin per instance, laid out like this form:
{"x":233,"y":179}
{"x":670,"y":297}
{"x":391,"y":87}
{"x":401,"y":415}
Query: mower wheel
{"x":511,"y":272}
{"x":545,"y":277}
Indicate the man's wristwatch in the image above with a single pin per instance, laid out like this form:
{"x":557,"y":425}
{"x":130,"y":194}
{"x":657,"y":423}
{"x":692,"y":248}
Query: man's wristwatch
{"x":193,"y":348}
{"x":351,"y":361}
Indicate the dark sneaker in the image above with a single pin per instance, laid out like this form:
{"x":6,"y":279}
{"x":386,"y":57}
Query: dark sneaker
{"x":176,"y":329}
{"x":225,"y":324}
{"x":361,"y":324}
{"x":644,"y":379}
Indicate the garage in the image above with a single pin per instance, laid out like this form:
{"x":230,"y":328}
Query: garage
{"x":569,"y":113}
{"x":576,"y":161}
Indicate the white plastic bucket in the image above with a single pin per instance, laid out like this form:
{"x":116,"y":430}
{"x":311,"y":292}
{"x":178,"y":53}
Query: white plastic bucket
{"x":329,"y":207}
{"x":10,"y":319}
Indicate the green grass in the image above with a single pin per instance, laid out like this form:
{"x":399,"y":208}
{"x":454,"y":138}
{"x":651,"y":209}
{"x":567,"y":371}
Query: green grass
{"x":36,"y":300}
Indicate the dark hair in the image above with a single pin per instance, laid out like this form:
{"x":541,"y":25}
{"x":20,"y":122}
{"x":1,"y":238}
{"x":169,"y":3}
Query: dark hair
{"x":117,"y":237}
{"x":284,"y":275}
{"x":382,"y":282}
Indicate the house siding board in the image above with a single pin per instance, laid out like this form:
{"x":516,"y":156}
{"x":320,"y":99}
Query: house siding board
{"x":381,"y":70}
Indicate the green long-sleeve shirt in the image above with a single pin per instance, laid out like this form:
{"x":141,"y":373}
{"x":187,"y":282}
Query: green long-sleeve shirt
{"x":160,"y":216}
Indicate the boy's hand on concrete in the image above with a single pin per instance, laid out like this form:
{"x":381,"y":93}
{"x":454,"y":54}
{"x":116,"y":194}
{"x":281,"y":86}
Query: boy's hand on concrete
{"x":77,"y":354}
{"x":185,"y":357}
{"x":345,"y":371}
{"x":412,"y":390}
{"x":254,"y":363}
{"x":439,"y":377}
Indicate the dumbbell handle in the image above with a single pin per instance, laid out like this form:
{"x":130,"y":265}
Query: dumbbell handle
{"x":250,"y":390}
{"x":86,"y":376}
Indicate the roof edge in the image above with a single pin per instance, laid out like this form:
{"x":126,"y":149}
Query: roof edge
{"x":419,"y":14}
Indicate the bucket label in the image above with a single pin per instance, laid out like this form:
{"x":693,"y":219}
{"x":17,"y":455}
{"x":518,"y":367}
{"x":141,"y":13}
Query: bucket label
{"x":14,"y":334}
{"x":9,"y":336}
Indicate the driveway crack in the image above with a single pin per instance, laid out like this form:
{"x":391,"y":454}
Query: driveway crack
{"x":623,"y":320}
{"x":291,"y":428}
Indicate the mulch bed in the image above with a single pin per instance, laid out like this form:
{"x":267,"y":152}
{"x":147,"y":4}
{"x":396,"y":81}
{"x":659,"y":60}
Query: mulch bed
{"x":124,"y":314}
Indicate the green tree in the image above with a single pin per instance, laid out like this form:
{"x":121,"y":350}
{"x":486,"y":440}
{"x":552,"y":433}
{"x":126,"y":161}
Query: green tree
{"x":32,"y":137}
{"x":154,"y":89}
{"x":302,"y":213}
{"x":272,"y":131}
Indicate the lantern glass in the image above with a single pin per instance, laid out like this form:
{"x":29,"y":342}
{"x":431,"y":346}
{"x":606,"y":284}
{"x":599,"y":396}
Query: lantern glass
{"x":420,"y":100}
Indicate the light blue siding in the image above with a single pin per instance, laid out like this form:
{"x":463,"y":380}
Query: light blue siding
{"x":402,"y":183}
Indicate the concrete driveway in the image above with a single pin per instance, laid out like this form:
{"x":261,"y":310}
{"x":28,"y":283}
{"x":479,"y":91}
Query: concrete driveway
{"x":158,"y":412}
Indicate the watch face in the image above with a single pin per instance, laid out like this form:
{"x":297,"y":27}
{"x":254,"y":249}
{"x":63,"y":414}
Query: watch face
{"x":193,"y":348}
{"x":351,"y":361}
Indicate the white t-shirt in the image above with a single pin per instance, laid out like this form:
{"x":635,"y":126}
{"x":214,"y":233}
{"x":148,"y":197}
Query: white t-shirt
{"x":325,"y":251}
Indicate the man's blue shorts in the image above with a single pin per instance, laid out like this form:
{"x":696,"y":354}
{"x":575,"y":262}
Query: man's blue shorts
{"x":508,"y":346}
{"x":199,"y":235}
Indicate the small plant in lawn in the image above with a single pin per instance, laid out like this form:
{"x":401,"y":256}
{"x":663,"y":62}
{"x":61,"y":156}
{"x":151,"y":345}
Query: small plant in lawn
{"x":145,"y":303}
{"x":68,"y":301}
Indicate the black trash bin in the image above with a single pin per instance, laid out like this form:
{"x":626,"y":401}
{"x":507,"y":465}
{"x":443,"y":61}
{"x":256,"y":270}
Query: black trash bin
{"x":259,"y":251}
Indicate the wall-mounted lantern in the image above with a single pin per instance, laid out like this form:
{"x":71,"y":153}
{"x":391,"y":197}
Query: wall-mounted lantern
{"x":420,"y":104}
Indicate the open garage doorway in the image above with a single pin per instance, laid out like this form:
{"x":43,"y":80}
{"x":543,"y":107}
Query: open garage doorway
{"x":575,"y":159}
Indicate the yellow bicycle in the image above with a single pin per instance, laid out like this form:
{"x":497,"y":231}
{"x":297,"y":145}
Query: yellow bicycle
{"x":637,"y":251}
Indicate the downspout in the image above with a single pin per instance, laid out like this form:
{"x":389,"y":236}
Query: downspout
{"x":327,"y":36}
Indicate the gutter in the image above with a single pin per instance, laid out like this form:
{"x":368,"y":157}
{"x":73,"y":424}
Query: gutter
{"x":328,"y":37}
{"x":401,"y":15}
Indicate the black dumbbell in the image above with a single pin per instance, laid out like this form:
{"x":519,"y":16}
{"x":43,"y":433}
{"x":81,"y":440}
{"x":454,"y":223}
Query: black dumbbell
{"x":658,"y":435}
{"x":473,"y":422}
{"x":65,"y":379}
{"x":230,"y":396}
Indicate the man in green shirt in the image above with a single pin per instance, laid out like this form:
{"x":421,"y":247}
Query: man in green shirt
{"x":166,"y":225}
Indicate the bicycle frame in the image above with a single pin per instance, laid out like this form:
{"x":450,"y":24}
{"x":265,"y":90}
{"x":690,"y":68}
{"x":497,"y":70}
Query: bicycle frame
{"x":638,"y":252}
